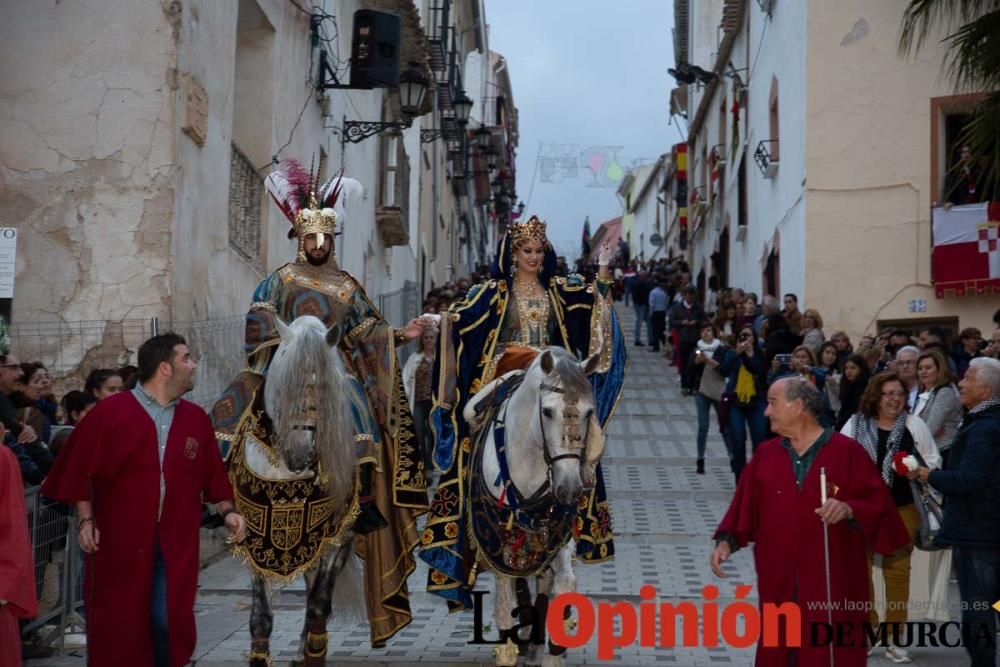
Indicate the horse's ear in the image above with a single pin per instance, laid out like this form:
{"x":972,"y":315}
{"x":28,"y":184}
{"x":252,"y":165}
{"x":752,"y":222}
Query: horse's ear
{"x":590,"y":365}
{"x":547,"y":362}
{"x":333,"y":335}
{"x":283,"y":329}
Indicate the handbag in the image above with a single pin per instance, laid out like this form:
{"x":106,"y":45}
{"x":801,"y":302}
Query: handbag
{"x":931,"y":516}
{"x":712,"y":384}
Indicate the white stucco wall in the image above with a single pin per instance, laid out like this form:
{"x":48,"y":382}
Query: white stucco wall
{"x":776,"y":205}
{"x":644,"y":218}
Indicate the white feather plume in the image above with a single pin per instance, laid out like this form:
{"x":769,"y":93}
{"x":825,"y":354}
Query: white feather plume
{"x":283,"y":192}
{"x":350,"y":189}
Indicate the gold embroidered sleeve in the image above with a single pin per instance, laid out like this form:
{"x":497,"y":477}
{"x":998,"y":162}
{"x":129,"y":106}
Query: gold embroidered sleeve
{"x":601,"y":333}
{"x":357,"y":332}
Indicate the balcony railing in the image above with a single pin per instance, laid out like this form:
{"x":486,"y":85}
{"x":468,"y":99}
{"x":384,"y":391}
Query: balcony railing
{"x":763,"y":156}
{"x":437,"y":33}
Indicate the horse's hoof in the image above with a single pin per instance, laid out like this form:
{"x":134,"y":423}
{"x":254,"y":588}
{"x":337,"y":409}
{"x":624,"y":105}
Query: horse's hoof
{"x":505,"y":655}
{"x":259,"y":659}
{"x":553,"y":661}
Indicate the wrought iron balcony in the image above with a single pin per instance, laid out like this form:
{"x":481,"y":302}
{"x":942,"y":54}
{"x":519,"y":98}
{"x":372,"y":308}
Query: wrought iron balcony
{"x":763,"y":156}
{"x":437,"y":33}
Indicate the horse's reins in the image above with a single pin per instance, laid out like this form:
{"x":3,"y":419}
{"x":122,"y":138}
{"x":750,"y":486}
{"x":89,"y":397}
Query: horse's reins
{"x":575,"y":439}
{"x":573,"y":436}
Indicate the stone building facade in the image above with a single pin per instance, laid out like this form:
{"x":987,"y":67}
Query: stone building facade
{"x":137,"y":137}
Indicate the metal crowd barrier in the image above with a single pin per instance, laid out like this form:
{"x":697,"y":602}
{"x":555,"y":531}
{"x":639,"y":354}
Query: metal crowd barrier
{"x":58,"y":572}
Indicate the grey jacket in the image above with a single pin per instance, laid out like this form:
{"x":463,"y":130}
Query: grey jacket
{"x":942,"y":413}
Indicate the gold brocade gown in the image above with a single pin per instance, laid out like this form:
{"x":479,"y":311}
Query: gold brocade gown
{"x":526,"y":328}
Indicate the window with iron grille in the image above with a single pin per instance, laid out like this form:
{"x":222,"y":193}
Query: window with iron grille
{"x":246,"y":194}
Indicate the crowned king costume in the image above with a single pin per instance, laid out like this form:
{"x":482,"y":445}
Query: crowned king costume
{"x":290,"y":524}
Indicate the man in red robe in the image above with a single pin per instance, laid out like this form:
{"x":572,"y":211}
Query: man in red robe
{"x":17,"y":569}
{"x":778,"y":507}
{"x":137,"y":469}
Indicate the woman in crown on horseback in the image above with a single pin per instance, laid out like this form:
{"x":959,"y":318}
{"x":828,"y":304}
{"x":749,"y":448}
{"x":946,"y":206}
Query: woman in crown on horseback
{"x":501,"y":325}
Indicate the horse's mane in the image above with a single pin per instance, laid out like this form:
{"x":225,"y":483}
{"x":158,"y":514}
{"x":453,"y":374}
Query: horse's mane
{"x":568,"y":371}
{"x":309,"y":356}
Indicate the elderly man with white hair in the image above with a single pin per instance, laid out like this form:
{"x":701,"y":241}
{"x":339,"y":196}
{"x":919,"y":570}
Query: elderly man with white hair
{"x":906,"y":367}
{"x":970,"y":483}
{"x":782,"y":506}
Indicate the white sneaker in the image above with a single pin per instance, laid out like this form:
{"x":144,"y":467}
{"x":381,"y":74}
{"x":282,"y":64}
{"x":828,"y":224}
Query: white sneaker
{"x":897,"y":654}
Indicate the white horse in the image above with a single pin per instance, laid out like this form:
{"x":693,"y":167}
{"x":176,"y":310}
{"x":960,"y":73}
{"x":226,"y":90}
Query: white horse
{"x":307,"y":397}
{"x":536,"y":452}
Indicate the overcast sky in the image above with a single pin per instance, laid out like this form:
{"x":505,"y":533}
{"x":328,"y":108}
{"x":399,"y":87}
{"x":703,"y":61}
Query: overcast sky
{"x":591,"y":87}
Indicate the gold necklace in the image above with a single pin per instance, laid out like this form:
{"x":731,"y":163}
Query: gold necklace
{"x":527,"y":288}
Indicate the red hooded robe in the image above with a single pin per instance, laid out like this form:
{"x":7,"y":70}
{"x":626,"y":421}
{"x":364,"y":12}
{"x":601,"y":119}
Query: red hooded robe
{"x":112,"y":459}
{"x":769,"y":510}
{"x":17,"y":568}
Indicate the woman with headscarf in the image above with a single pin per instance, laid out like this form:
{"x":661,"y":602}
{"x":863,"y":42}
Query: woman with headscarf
{"x":500,"y":326}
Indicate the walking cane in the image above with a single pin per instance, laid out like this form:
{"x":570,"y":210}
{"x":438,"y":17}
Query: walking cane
{"x":826,"y":559}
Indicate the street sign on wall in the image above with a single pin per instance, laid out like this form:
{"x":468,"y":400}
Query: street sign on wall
{"x":8,"y":254}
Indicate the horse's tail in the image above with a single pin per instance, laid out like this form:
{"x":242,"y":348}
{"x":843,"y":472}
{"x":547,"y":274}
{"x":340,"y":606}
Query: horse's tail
{"x":349,"y":592}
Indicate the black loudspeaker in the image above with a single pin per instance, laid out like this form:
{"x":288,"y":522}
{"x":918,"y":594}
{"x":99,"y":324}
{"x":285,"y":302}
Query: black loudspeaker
{"x":375,"y":49}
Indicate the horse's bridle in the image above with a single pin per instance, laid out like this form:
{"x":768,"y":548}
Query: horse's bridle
{"x":572,"y":438}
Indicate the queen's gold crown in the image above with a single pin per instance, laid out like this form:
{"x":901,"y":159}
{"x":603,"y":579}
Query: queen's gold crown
{"x":532,"y":229}
{"x":314,"y":220}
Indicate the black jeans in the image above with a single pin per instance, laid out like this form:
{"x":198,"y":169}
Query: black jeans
{"x":979,"y":587}
{"x":659,"y":321}
{"x":686,"y":350}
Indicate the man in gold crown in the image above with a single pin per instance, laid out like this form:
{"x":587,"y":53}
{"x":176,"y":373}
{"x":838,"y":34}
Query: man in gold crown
{"x":500,"y":326}
{"x":393,"y":490}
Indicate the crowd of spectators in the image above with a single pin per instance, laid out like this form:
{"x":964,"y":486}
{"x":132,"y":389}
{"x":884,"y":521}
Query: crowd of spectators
{"x":37,"y":424}
{"x":901,"y":391}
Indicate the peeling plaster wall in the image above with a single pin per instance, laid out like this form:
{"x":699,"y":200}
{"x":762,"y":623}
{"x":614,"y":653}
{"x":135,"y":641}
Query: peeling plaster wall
{"x":120,"y":213}
{"x":87,"y":157}
{"x":869,"y":162}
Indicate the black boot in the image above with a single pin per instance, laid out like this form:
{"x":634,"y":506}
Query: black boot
{"x":369,"y":518}
{"x":701,"y":466}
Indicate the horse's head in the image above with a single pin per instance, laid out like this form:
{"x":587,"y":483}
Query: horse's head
{"x":566,"y":415}
{"x":301,"y":394}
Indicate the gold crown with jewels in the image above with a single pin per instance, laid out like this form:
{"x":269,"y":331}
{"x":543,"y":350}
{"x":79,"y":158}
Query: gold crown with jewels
{"x":315,"y":220}
{"x":532,"y":229}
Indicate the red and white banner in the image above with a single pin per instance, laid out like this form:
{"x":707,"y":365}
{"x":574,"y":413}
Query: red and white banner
{"x":966,"y":254}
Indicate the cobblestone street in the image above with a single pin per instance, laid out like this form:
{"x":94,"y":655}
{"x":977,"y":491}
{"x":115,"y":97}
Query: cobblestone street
{"x":664,"y":515}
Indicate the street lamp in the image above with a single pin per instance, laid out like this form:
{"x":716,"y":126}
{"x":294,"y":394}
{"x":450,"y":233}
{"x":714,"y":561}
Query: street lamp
{"x":483,"y":137}
{"x":463,"y":107}
{"x":412,"y":88}
{"x":491,"y":158}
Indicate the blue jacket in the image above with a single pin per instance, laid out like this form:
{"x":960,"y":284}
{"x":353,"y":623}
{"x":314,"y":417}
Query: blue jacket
{"x":971,"y":484}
